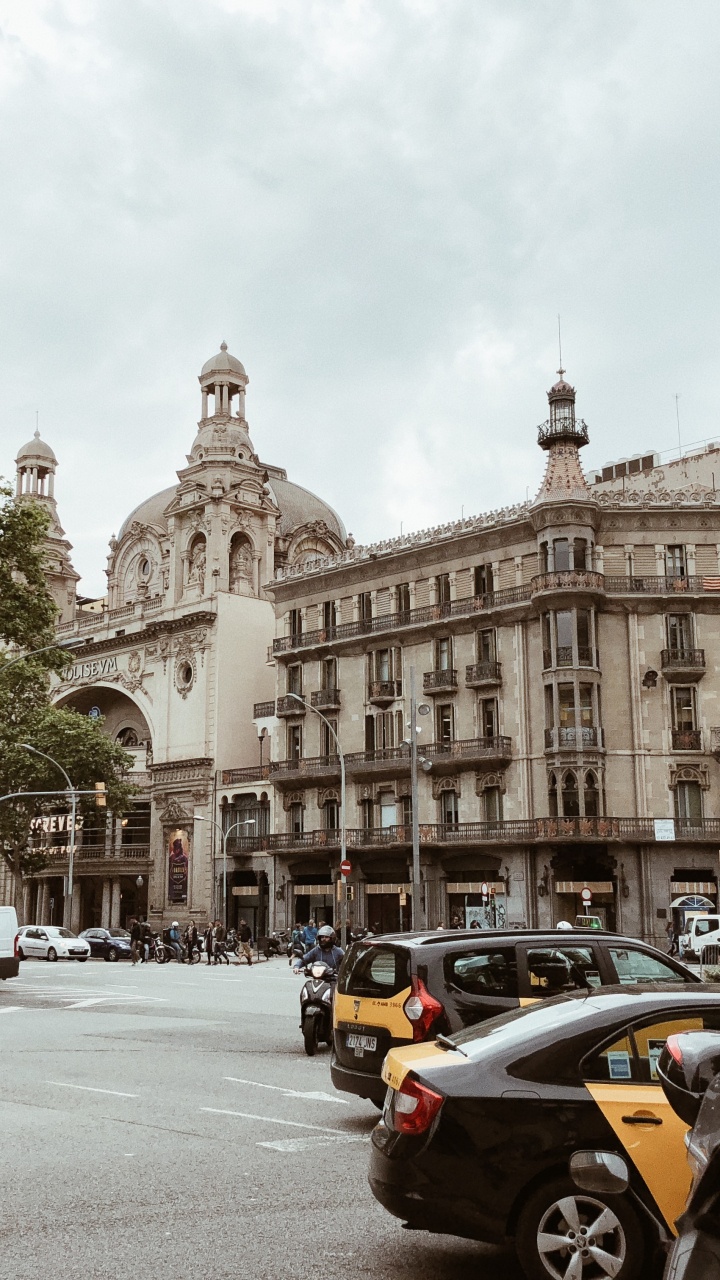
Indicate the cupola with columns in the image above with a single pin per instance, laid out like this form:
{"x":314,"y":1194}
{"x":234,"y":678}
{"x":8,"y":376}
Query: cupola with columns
{"x":564,"y":512}
{"x":35,"y":482}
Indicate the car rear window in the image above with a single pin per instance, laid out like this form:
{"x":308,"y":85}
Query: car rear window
{"x":377,"y":971}
{"x":483,"y":973}
{"x":633,"y":965}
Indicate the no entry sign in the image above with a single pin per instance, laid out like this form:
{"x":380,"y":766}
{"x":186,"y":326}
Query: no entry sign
{"x":586,"y":895}
{"x":345,"y":867}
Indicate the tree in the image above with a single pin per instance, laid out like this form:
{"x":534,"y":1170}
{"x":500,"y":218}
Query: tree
{"x":28,"y":615}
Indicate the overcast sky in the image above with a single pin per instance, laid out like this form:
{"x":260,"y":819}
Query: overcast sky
{"x":381,"y":206}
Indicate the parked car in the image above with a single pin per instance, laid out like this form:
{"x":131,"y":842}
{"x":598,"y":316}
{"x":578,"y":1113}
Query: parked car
{"x":9,"y":962}
{"x":51,"y":942}
{"x":404,"y":988}
{"x":548,"y":1127}
{"x":111,"y":944}
{"x":688,"y":1069}
{"x":700,"y":931}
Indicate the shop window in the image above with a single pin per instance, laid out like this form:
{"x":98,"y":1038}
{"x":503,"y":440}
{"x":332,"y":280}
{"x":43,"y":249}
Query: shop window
{"x":483,"y":579}
{"x":688,"y":802}
{"x":570,"y":797}
{"x":448,"y":808}
{"x":488,"y":717}
{"x":675,"y":562}
{"x":591,"y":801}
{"x":294,"y":741}
{"x":492,"y":802}
{"x":296,"y":819}
{"x":561,"y":555}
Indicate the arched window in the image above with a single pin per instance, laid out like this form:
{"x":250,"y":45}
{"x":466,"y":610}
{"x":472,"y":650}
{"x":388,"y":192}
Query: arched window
{"x":570,"y":797}
{"x":331,"y":814}
{"x":591,"y":799}
{"x":552,"y":796}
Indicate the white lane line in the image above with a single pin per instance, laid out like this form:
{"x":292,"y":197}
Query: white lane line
{"x":85,"y":1004}
{"x":12,"y":1008}
{"x":293,"y":1145}
{"x":293,"y":1124}
{"x":86,"y":1088}
{"x":314,"y":1095}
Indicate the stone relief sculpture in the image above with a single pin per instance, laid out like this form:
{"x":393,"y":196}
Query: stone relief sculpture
{"x":197,"y":564}
{"x":241,"y":566}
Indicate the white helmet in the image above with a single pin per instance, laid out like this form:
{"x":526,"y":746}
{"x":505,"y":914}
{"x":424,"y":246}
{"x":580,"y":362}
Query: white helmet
{"x":563,"y":924}
{"x":175,"y":924}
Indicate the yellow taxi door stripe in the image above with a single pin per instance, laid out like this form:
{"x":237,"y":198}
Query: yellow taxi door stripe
{"x":657,"y":1150}
{"x":376,"y":1013}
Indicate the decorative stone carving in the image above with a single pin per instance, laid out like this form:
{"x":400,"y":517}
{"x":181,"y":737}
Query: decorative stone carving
{"x":293,"y":797}
{"x":327,"y":793}
{"x":185,"y":674}
{"x":445,"y":784}
{"x":174,"y":812}
{"x":241,"y":565}
{"x":690,"y":773}
{"x":197,"y":564}
{"x":484,"y":781}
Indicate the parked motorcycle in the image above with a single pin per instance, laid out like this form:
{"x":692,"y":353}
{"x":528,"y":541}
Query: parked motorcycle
{"x":295,"y":950}
{"x":316,"y":1000}
{"x":275,"y":943}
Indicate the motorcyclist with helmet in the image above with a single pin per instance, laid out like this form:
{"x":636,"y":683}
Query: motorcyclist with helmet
{"x":325,"y":952}
{"x":175,"y":943}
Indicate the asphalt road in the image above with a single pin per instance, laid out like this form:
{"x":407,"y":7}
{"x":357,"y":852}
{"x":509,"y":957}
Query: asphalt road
{"x":165,"y":1122}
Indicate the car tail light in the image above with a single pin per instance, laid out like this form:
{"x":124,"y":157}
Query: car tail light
{"x":673,"y":1048}
{"x":421,"y":1009}
{"x":415,"y":1108}
{"x":16,"y":948}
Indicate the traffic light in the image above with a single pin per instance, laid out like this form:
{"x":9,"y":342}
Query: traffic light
{"x":350,"y":893}
{"x":100,"y":795}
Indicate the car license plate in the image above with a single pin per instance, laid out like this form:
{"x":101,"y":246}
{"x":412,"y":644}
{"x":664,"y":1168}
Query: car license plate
{"x":361,"y":1043}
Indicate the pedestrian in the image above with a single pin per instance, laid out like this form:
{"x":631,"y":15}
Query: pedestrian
{"x":310,"y":934}
{"x":135,"y":940}
{"x":441,"y":925}
{"x":209,"y":941}
{"x":245,"y":937}
{"x":191,"y":939}
{"x":147,"y":938}
{"x":671,"y":937}
{"x":219,"y":939}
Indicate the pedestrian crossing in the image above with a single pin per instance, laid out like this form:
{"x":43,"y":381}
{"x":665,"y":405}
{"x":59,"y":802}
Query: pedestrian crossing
{"x":72,"y":996}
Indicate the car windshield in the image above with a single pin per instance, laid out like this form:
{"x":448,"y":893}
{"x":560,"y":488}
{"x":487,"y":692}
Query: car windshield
{"x":118,"y":933}
{"x":61,"y":933}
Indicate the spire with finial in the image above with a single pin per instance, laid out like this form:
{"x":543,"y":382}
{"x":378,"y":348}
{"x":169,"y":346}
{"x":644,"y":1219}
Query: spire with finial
{"x":562,"y":435}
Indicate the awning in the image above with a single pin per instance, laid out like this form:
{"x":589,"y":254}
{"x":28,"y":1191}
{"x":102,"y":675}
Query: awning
{"x":472,"y":886}
{"x":577,"y":886}
{"x":315,"y":890}
{"x":388,"y":888}
{"x":693,"y":886}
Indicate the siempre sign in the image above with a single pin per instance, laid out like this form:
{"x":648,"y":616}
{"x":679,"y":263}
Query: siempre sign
{"x":91,"y":670}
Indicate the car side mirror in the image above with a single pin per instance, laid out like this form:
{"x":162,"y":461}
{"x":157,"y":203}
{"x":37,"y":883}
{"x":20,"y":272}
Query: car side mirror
{"x":687,"y":1064}
{"x":599,"y":1171}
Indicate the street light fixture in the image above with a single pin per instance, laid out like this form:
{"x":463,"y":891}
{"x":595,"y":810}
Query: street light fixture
{"x":242,"y":822}
{"x":65,"y":644}
{"x":343,"y":828}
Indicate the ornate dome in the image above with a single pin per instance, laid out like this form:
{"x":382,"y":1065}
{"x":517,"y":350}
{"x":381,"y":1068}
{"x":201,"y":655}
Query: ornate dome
{"x":561,"y":390}
{"x":37,"y":450}
{"x":223,"y":362}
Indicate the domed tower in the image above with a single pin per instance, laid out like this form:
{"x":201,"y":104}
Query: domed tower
{"x":36,"y":463}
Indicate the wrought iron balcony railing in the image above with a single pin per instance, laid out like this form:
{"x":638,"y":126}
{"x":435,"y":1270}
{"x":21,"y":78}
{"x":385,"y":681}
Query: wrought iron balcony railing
{"x":487,"y":672}
{"x":305,"y":765}
{"x":573,"y":738}
{"x":325,"y":699}
{"x":262,"y":709}
{"x":289,"y":705}
{"x":444,"y":681}
{"x":685,"y":659}
{"x":254,"y":773}
{"x":687,"y":740}
{"x":384,"y":690}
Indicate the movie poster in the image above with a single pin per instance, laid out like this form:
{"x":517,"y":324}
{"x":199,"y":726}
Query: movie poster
{"x":179,"y":861}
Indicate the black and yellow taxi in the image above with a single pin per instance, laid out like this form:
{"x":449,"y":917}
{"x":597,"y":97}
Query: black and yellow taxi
{"x":404,"y":988}
{"x":479,"y":1130}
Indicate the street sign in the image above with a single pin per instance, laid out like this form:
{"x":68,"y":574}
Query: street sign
{"x":345,"y":867}
{"x":484,"y":889}
{"x":403,"y":899}
{"x":586,"y":895}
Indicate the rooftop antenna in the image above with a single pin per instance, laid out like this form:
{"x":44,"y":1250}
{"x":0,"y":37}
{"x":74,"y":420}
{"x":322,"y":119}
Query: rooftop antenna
{"x":560,"y":370}
{"x":677,"y":415}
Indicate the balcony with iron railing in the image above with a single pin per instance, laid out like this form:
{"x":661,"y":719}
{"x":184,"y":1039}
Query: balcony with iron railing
{"x":325,"y":699}
{"x":681,"y":665}
{"x":479,"y":675}
{"x":290,"y":705}
{"x":442,"y":681}
{"x":381,"y":692}
{"x":98,"y":852}
{"x":238,"y":777}
{"x":290,"y":771}
{"x":262,"y":710}
{"x":469,"y":753}
{"x":561,"y":581}
{"x":571,"y":738}
{"x":378,"y":762}
{"x":686,"y":739}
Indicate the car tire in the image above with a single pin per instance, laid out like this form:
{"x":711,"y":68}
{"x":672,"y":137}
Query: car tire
{"x":544,"y":1215}
{"x":112,"y":954}
{"x":81,"y":959}
{"x":51,"y":954}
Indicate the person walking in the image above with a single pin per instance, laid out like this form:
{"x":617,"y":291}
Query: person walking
{"x":209,"y":941}
{"x":245,"y":939}
{"x":135,"y":940}
{"x":191,"y":940}
{"x":147,"y":938}
{"x":310,"y":933}
{"x":219,"y":948}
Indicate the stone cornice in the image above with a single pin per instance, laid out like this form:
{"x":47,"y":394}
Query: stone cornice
{"x":151,"y":631}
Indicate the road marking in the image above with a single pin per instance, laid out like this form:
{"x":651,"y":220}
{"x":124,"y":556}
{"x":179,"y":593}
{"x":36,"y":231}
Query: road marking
{"x":293,"y":1145}
{"x":86,"y":1088}
{"x":293,"y":1124}
{"x":314,"y":1095}
{"x":12,"y":1008}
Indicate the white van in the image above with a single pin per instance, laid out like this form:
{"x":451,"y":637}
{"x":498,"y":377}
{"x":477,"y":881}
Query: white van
{"x":700,"y":931}
{"x":9,"y":963}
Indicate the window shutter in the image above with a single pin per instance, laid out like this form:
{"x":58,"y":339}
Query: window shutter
{"x":463,"y":583}
{"x":530,"y":566}
{"x":383,"y":601}
{"x":706,"y":559}
{"x":644,"y":562}
{"x":422,"y":593}
{"x":346,"y":609}
{"x":614,"y":562}
{"x":506,"y":576}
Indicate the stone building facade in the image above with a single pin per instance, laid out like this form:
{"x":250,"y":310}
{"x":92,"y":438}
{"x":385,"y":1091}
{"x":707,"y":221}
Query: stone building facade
{"x":565,"y":655}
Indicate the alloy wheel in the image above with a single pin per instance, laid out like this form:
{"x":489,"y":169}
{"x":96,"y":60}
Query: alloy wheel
{"x":580,"y":1238}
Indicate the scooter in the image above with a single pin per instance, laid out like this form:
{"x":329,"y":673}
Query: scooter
{"x":275,"y":942}
{"x":296,"y":950}
{"x":316,"y":1000}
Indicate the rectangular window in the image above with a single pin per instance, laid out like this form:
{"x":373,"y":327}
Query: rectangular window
{"x":580,"y":554}
{"x":547,"y":640}
{"x":327,"y":741}
{"x":444,"y":722}
{"x":407,"y":811}
{"x":488,"y":718}
{"x":566,"y":704}
{"x":388,"y":810}
{"x":443,"y":654}
{"x":483,"y":579}
{"x":679,"y":631}
{"x":331,"y":815}
{"x":294,"y":678}
{"x":683,"y":707}
{"x":688,"y":802}
{"x":443,"y":588}
{"x":487,"y":648}
{"x":587,"y":718}
{"x":675,"y":563}
{"x":369,"y":733}
{"x":328,"y":615}
{"x":295,"y":818}
{"x":549,"y":707}
{"x":383,"y":670}
{"x":564,"y":629}
{"x":584,"y":637}
{"x":448,"y":808}
{"x":367,"y":815}
{"x":294,"y":741}
{"x":403,"y":597}
{"x":328,"y":673}
{"x":561,"y":555}
{"x":492,"y":803}
{"x":365,"y":606}
{"x":296,"y":623}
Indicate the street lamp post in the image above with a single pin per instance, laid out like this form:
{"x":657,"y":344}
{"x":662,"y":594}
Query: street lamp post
{"x":73,"y":810}
{"x":343,"y":827}
{"x":242,"y":822}
{"x":418,"y":915}
{"x":67,"y":644}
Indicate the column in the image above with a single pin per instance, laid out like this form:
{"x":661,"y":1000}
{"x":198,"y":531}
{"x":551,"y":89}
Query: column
{"x":115,"y":905}
{"x":204,"y":403}
{"x":256,"y":575}
{"x":225,"y":407}
{"x":51,"y":484}
{"x":18,"y":485}
{"x":453,"y":584}
{"x":75,"y":907}
{"x":105,"y":910}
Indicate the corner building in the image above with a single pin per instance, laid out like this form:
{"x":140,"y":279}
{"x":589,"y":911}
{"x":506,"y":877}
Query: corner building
{"x":567,"y":650}
{"x":174,"y":659}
